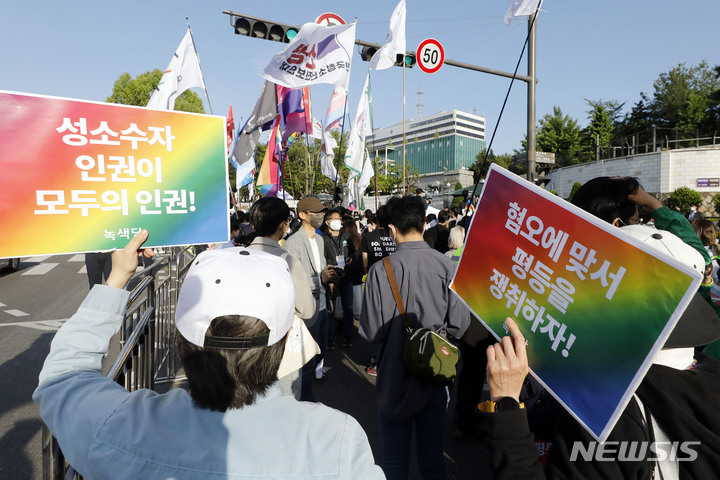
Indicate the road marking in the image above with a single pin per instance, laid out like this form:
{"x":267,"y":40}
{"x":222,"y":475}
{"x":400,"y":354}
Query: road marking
{"x":41,"y":269}
{"x":83,"y":269}
{"x":37,"y":259}
{"x":45,"y":325}
{"x":77,"y":258}
{"x":2,"y":305}
{"x":16,"y":313}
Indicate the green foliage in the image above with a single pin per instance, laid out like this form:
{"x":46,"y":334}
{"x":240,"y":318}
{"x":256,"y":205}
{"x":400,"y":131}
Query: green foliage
{"x":137,"y":91}
{"x":480,"y":167}
{"x":687,"y":98}
{"x":603,"y":118}
{"x":392,"y":182}
{"x":458,"y":185}
{"x":576,"y":186}
{"x":560,"y":134}
{"x":716,"y":202}
{"x":683,"y":198}
{"x":553,"y":192}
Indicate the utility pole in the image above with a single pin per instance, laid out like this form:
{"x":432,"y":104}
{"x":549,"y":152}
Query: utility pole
{"x":531,"y":98}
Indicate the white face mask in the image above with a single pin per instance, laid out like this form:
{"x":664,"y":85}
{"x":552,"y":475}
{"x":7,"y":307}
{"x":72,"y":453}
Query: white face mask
{"x":335,"y":225}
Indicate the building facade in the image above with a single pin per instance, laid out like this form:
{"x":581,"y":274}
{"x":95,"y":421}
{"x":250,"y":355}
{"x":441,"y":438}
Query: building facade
{"x":441,"y":145}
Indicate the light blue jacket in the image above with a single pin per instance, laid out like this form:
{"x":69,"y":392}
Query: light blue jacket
{"x":107,"y":432}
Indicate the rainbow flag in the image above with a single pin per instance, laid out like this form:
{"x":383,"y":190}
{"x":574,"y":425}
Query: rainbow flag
{"x":268,"y":179}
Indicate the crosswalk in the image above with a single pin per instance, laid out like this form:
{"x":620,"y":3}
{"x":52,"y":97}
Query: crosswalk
{"x":44,"y":267}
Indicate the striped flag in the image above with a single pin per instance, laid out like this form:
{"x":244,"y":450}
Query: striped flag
{"x":230,"y":127}
{"x":336,"y":108}
{"x":361,"y":128}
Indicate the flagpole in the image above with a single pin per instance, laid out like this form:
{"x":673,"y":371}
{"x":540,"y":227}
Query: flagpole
{"x":198,"y":59}
{"x":404,"y":137}
{"x":342,"y":134}
{"x":308,"y":186}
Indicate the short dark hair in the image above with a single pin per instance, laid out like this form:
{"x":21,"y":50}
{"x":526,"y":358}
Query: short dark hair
{"x":406,"y":213}
{"x":267,"y":213}
{"x":221,"y":379}
{"x":607,"y":198}
{"x":443,"y":216}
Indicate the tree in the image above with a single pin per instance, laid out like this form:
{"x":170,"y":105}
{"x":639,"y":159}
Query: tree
{"x":393,"y":181}
{"x":560,"y":134}
{"x":137,"y":91}
{"x":686,"y":98}
{"x":576,"y":186}
{"x":603,"y":117}
{"x":458,"y":185}
{"x":480,"y":166}
{"x":683,"y":198}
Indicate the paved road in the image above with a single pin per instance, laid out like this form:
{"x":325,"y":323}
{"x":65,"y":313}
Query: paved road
{"x":45,"y":291}
{"x":34,"y":302}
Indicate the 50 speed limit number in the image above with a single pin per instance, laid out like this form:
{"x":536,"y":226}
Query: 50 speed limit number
{"x":430,"y":55}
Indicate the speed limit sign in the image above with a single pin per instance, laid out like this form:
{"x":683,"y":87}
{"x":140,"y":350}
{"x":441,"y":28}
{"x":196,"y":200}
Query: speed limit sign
{"x":430,"y":55}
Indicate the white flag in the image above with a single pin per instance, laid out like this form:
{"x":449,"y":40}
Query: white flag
{"x":366,"y":175}
{"x":395,"y":41}
{"x":317,"y":54}
{"x":519,"y":8}
{"x":352,"y":193}
{"x":182,"y":73}
{"x":327,"y":167}
{"x":317,"y":129}
{"x":361,"y":128}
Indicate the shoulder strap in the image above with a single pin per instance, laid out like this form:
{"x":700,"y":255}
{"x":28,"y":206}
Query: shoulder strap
{"x":395,"y":291}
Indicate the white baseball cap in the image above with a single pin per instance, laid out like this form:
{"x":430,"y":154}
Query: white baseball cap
{"x":241,"y":281}
{"x":235,"y":281}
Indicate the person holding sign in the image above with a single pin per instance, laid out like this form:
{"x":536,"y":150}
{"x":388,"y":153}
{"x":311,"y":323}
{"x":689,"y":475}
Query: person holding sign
{"x":235,"y":309}
{"x":670,"y":428}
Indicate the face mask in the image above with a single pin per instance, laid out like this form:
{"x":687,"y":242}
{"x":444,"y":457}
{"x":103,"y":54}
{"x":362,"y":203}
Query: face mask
{"x":316,"y":219}
{"x":335,"y":225}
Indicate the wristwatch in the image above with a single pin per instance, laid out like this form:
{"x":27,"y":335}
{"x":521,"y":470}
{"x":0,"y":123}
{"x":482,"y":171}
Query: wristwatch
{"x":506,"y":404}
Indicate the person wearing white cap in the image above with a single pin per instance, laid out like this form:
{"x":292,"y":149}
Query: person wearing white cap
{"x":234,"y":312}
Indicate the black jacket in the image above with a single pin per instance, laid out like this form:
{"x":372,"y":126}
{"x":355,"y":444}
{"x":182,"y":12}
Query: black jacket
{"x":685,"y":403}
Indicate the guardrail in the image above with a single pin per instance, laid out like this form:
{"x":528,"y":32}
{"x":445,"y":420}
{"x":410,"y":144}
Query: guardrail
{"x":147,"y":338}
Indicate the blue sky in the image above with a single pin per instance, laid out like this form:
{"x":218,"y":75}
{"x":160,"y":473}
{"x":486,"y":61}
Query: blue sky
{"x":602,"y":50}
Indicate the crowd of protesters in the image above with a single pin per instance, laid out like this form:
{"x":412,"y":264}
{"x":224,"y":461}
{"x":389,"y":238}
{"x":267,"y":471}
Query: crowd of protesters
{"x":328,"y":261}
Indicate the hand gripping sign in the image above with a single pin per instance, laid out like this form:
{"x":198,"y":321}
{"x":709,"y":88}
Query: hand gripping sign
{"x":593,"y":304}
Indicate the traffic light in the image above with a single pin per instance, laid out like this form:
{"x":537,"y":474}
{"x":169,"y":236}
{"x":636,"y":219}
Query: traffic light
{"x":367,"y":52}
{"x":264,"y":29}
{"x":408,"y":58}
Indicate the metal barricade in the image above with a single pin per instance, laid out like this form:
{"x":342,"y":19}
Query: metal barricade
{"x":147,"y":338}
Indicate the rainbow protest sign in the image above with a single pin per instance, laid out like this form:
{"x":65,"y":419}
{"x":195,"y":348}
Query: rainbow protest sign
{"x":83,"y":176}
{"x":592,"y":303}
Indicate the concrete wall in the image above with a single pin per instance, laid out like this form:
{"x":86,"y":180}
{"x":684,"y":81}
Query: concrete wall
{"x":660,"y":172}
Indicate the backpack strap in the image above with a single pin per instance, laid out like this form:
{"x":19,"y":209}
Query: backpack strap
{"x":396,"y":291}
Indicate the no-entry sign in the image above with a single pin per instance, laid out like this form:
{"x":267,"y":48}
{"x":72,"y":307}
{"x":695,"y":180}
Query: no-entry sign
{"x":330,"y":19}
{"x":430,"y":55}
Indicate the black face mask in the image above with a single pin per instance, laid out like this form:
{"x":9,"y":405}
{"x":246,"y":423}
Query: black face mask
{"x":316,"y":219}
